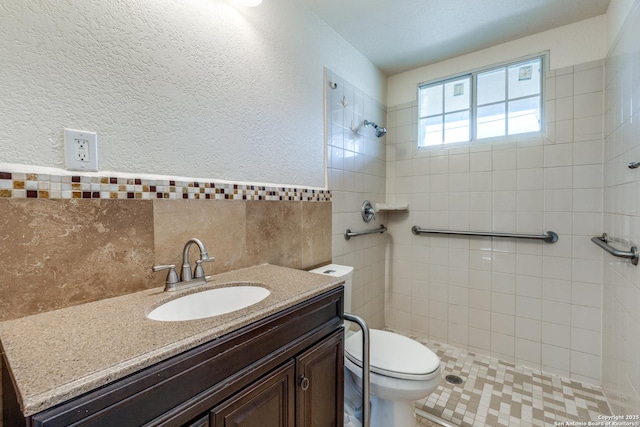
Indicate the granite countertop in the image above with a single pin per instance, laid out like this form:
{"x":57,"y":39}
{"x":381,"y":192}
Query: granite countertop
{"x":61,"y":354}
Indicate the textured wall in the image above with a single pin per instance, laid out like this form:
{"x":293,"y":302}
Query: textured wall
{"x":196,"y":88}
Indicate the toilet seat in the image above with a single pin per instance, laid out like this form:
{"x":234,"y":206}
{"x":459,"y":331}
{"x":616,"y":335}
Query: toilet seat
{"x":394,"y":355}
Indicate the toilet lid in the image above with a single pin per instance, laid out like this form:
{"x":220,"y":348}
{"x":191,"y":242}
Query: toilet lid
{"x":392,"y":354}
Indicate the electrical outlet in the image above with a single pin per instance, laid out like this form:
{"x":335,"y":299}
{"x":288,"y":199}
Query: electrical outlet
{"x":81,"y":150}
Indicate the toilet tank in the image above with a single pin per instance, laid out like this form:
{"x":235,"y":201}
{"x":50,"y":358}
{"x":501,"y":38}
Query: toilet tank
{"x":344,"y":272}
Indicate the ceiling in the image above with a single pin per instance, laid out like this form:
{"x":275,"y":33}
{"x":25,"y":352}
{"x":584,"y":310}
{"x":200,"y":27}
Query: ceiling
{"x":399,"y":35}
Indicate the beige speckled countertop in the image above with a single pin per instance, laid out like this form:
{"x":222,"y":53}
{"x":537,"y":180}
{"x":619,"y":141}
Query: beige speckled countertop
{"x":61,"y":354}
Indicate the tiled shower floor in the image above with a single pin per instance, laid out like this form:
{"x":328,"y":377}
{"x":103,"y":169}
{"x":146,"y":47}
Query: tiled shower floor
{"x":497,"y":393}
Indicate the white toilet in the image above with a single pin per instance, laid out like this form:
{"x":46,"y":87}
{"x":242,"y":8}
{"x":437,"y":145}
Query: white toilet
{"x":402,"y":370}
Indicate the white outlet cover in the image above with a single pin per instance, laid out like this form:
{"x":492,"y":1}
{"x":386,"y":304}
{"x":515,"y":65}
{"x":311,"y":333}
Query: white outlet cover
{"x":81,"y":150}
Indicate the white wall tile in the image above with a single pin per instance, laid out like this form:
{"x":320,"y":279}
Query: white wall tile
{"x":588,"y":105}
{"x":586,"y":341}
{"x":530,"y":308}
{"x":556,"y":290}
{"x":588,"y":318}
{"x":480,"y":339}
{"x":558,"y":155}
{"x":525,"y":301}
{"x":564,"y":108}
{"x":585,"y":365}
{"x":558,"y":200}
{"x":587,"y":200}
{"x":563,"y":131}
{"x":556,"y":312}
{"x":558,"y":178}
{"x":556,"y":357}
{"x":503,"y":303}
{"x":530,"y":157}
{"x":564,"y":85}
{"x":529,"y":329}
{"x":587,"y":176}
{"x":529,"y":286}
{"x":556,"y":335}
{"x":503,"y":344}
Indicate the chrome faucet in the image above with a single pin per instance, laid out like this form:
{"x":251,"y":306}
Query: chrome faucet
{"x":187,"y":279}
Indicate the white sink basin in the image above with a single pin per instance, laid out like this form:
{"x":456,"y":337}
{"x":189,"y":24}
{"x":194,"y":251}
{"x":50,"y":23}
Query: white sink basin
{"x":212,"y":302}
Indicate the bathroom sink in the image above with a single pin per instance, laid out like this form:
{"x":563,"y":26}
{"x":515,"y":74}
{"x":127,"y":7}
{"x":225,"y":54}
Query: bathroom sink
{"x":212,"y":302}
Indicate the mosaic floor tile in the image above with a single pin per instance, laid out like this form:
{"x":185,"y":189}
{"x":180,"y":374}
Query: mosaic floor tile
{"x":497,"y":393}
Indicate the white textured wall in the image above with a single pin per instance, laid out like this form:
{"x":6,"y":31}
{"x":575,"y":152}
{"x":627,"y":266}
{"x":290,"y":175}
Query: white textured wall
{"x":196,"y":88}
{"x":569,"y":45}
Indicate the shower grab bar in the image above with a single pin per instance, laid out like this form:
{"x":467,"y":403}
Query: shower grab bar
{"x":549,"y":236}
{"x":634,"y":165}
{"x":603,"y":242}
{"x":366,"y":410}
{"x":349,"y":234}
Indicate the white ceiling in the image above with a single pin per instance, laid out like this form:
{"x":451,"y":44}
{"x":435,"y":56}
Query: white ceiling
{"x":399,"y":35}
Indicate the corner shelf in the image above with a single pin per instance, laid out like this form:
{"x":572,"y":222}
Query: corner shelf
{"x":392,"y":207}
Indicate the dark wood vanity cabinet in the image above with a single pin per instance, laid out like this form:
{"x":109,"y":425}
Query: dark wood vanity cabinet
{"x":284,"y":370}
{"x":306,"y":391}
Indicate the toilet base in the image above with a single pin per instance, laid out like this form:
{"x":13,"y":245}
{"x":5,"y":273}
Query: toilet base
{"x":396,"y":413}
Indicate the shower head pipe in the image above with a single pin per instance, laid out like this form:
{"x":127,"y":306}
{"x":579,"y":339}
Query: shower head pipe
{"x":380,"y":131}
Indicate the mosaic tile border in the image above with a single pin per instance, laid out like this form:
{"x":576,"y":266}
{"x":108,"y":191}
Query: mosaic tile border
{"x":46,"y":186}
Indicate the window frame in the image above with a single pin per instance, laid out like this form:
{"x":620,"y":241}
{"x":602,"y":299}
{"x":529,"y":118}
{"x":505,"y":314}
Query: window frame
{"x":473,"y":110}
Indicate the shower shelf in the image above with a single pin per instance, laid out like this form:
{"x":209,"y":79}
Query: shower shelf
{"x":392,"y":207}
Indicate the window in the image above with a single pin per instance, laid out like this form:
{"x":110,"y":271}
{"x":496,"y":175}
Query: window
{"x":500,"y":101}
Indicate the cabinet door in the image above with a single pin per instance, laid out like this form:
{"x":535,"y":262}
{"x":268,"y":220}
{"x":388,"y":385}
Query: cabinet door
{"x":320,"y":384}
{"x":269,"y":402}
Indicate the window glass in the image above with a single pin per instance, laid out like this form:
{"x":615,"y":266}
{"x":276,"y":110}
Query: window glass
{"x":489,"y":103}
{"x":492,"y":86}
{"x":431,"y":101}
{"x":524,"y":115}
{"x":457,"y":95}
{"x":431,"y":131}
{"x":524,"y":79}
{"x":456,"y":127}
{"x":445,"y":111}
{"x":492,"y":121}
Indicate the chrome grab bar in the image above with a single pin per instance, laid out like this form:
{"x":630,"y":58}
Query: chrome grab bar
{"x":366,"y":410}
{"x":349,"y":234}
{"x":603,"y":242}
{"x":549,"y":236}
{"x":634,"y":165}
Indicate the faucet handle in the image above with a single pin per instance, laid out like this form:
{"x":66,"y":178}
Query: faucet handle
{"x":199,"y":270}
{"x":172,"y":276}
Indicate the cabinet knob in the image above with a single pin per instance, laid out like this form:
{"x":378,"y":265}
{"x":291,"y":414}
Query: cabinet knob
{"x":304,"y":383}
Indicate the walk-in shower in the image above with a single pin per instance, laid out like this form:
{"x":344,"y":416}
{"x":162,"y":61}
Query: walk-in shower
{"x":380,"y":131}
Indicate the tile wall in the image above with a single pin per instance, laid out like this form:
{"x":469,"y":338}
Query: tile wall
{"x":527,"y":302}
{"x":356,"y":168}
{"x":621,"y":326}
{"x":61,"y":252}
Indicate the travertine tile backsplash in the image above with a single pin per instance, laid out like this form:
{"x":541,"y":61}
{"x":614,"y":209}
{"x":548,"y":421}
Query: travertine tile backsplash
{"x":58,"y":253}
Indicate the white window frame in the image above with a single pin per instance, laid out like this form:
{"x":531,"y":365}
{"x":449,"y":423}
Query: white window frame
{"x":473,"y":74}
